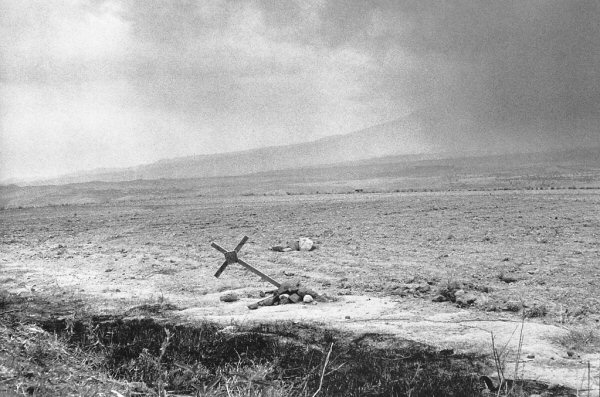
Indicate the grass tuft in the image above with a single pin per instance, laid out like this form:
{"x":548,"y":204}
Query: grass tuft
{"x":581,"y":338}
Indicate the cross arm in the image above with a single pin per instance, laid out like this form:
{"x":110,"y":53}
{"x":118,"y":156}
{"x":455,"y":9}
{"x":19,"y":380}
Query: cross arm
{"x":241,"y":244}
{"x":218,"y":248}
{"x":259,"y":273}
{"x":223,"y":266}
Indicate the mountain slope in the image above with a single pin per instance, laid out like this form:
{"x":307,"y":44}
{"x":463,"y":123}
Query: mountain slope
{"x":565,"y":169}
{"x":427,"y":133}
{"x":397,"y":137}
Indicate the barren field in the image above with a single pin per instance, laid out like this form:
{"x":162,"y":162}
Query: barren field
{"x":388,"y":263}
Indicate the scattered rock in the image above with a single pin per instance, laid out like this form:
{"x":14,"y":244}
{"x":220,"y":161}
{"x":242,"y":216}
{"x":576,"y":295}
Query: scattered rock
{"x":463,"y":298}
{"x":347,"y":317}
{"x":289,"y":292}
{"x":412,"y":289}
{"x":229,"y":297}
{"x":303,"y":291}
{"x":305,"y":244}
{"x":253,"y":306}
{"x":507,"y":278}
{"x":440,"y":298}
{"x":288,"y":287}
{"x":530,"y":356}
{"x":284,"y":299}
{"x":294,"y":298}
{"x":269,"y":301}
{"x":302,"y":244}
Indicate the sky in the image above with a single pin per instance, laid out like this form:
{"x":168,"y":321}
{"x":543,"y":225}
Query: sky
{"x":90,"y":84}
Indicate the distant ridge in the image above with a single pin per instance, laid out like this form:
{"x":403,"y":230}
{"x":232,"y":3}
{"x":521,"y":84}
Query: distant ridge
{"x":398,"y":137}
{"x":425,"y":134}
{"x":551,"y":170}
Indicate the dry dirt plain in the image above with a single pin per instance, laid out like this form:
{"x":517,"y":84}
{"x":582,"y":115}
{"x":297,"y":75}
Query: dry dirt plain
{"x":383,"y":257}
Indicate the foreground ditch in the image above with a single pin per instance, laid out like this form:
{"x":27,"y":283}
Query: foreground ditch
{"x":265,"y":360}
{"x":280,"y":359}
{"x":84,"y":354}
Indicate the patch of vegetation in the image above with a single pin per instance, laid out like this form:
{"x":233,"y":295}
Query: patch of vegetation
{"x":35,"y":362}
{"x":447,"y":291}
{"x":583,"y":339}
{"x":513,"y":306}
{"x":536,"y":311}
{"x":83,"y":354}
{"x":9,"y":302}
{"x":285,"y":359}
{"x":449,"y":288}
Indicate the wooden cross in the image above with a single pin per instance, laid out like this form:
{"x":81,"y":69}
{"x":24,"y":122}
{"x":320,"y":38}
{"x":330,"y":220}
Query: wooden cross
{"x":231,"y":257}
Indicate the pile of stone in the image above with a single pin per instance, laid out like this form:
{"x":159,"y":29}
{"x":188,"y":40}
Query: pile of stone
{"x":302,"y":244}
{"x":288,"y":293}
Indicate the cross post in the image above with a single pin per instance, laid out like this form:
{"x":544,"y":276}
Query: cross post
{"x":232,"y":257}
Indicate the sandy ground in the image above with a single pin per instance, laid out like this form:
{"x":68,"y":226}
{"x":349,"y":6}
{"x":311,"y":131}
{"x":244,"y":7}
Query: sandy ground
{"x":452,"y":328}
{"x":442,"y":326}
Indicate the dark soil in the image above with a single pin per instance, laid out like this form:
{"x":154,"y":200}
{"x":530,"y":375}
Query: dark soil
{"x":368,"y":365}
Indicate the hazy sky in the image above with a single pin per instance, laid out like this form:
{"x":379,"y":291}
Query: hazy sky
{"x":87,"y":84}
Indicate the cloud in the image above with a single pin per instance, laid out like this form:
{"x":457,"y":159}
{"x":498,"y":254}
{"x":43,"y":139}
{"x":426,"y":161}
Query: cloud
{"x":83,"y":79}
{"x":520,"y":75}
{"x":53,"y":42}
{"x":515,"y":62}
{"x":165,"y":79}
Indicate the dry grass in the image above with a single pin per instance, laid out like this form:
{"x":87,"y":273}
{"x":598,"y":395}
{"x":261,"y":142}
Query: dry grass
{"x":90,"y":355}
{"x":35,"y":362}
{"x":509,"y":382}
{"x":583,"y":338}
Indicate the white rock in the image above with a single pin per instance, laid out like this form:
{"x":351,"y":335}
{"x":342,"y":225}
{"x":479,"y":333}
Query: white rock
{"x":306,"y":244}
{"x":284,"y":299}
{"x":307,"y":299}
